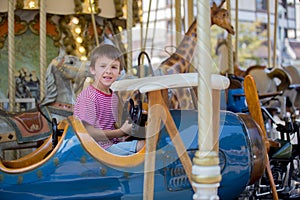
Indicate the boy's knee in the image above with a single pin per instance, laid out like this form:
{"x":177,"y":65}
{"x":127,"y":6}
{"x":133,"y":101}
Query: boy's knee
{"x":140,"y":145}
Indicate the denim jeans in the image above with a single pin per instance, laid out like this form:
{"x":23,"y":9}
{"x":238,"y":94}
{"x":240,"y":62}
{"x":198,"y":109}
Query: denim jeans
{"x":123,"y":148}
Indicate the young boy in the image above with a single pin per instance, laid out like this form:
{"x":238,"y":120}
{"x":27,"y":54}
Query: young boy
{"x":97,"y":106}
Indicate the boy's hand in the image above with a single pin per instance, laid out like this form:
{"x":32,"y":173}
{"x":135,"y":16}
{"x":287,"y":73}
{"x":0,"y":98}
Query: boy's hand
{"x":126,"y":127}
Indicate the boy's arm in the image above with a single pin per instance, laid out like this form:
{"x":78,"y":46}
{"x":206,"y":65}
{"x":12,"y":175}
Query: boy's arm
{"x":99,"y":134}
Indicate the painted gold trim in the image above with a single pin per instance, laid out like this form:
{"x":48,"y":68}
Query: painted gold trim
{"x":203,"y":179}
{"x":100,"y":154}
{"x":206,"y":161}
{"x":206,"y":158}
{"x":34,"y":159}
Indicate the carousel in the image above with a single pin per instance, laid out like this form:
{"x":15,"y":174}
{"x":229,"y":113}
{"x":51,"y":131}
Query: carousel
{"x":206,"y":132}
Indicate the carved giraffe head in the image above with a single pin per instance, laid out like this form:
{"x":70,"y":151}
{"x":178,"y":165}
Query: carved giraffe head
{"x":220,"y":17}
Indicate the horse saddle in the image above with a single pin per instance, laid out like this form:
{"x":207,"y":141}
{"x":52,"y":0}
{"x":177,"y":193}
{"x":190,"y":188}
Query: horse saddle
{"x":283,"y":76}
{"x":28,"y":126}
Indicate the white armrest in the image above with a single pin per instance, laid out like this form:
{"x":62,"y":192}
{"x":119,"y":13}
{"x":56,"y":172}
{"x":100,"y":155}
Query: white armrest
{"x":219,"y":82}
{"x":153,"y":83}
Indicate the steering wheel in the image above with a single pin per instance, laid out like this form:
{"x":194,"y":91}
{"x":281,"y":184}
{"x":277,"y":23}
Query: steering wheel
{"x":135,"y":115}
{"x":55,"y":133}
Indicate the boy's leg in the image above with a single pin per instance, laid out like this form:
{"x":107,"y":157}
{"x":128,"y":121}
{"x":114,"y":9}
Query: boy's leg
{"x":123,"y":148}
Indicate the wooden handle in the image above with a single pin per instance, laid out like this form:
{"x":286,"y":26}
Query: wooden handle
{"x":255,"y":112}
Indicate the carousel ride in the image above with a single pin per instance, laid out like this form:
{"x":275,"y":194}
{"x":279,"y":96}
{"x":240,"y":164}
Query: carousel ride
{"x":278,"y":115}
{"x":182,"y":158}
{"x":26,"y":128}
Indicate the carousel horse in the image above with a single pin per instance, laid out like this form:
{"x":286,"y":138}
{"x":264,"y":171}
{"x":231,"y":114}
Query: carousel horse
{"x":294,"y":73}
{"x":276,"y":89}
{"x":275,"y":80}
{"x":269,"y":80}
{"x":25,"y":129}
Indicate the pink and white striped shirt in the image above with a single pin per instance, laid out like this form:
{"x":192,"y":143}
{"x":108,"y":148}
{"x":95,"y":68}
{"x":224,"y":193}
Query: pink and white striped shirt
{"x":99,"y":110}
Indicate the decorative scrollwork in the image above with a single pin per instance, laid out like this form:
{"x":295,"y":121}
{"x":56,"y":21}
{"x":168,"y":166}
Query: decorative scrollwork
{"x":52,"y":29}
{"x":68,"y":40}
{"x":20,"y":27}
{"x":81,"y":6}
{"x":20,"y":4}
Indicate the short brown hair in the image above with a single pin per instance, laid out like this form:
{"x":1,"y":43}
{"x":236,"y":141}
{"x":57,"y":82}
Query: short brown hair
{"x":108,"y":51}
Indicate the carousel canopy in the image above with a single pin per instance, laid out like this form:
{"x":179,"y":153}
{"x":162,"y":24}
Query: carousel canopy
{"x":65,"y":7}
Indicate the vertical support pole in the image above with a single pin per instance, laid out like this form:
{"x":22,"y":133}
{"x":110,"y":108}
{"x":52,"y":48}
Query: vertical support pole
{"x":141,"y":24}
{"x":144,"y":43}
{"x":43,"y":57}
{"x":178,"y":21}
{"x":129,"y":35}
{"x":92,"y":7}
{"x":147,"y":26}
{"x":142,"y":69}
{"x":171,"y":21}
{"x":191,"y":19}
{"x":190,"y":12}
{"x":206,"y":174}
{"x":269,"y":34}
{"x":229,"y":42}
{"x":275,"y":33}
{"x":236,"y":33}
{"x":11,"y":54}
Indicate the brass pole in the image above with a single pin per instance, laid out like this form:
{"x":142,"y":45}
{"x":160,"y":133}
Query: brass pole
{"x":94,"y":22}
{"x":236,"y":33}
{"x":178,"y":21}
{"x":275,"y":33}
{"x":129,"y":35}
{"x":229,"y":42}
{"x":43,"y":58}
{"x":190,"y":12}
{"x":11,"y":55}
{"x":269,"y":34}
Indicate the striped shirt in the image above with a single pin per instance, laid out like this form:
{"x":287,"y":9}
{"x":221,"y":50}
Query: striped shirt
{"x":99,"y":110}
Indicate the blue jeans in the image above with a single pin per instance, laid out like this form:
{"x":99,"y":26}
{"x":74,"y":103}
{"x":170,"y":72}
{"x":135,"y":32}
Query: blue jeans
{"x":123,"y":148}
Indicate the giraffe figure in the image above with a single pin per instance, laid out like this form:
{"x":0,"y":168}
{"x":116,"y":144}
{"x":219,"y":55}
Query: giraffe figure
{"x":180,"y":60}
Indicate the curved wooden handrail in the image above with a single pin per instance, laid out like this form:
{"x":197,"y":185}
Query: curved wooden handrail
{"x":31,"y":158}
{"x":100,"y":154}
{"x":36,"y":158}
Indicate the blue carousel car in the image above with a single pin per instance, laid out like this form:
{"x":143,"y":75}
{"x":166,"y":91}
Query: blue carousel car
{"x":77,"y":167}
